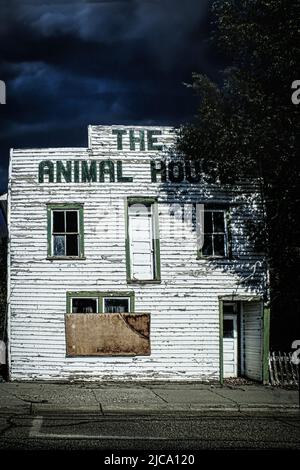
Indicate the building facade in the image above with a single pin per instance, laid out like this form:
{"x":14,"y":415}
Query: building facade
{"x":126,"y":264}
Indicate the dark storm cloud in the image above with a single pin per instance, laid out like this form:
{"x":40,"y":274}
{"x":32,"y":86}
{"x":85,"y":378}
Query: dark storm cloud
{"x":68,"y":64}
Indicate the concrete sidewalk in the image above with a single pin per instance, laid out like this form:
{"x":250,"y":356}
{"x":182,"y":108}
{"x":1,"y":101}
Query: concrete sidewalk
{"x":137,"y":398}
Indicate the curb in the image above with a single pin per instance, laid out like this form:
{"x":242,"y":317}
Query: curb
{"x":98,"y":410}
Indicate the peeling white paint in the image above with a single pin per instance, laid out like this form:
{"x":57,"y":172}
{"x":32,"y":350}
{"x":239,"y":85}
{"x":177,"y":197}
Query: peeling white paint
{"x":184,"y":307}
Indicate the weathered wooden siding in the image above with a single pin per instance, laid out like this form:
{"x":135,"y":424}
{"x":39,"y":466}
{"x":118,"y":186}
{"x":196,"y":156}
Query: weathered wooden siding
{"x":184,"y":307}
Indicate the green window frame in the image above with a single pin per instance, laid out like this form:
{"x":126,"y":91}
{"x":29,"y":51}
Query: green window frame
{"x":100,"y":297}
{"x":149,"y":201}
{"x":226,"y":233}
{"x":64,"y":208}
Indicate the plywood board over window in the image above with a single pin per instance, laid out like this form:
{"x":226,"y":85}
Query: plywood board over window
{"x":108,"y":334}
{"x":104,"y":324}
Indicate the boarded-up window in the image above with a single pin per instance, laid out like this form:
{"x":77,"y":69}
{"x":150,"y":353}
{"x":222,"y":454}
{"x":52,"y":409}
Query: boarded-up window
{"x":143,"y":238}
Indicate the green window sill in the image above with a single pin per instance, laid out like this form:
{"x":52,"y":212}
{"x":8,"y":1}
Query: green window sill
{"x":145,"y":281}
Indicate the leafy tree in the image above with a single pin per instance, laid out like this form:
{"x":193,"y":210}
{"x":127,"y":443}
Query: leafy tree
{"x":247,"y":127}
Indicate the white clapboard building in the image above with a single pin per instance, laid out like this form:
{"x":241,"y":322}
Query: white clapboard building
{"x":126,"y":264}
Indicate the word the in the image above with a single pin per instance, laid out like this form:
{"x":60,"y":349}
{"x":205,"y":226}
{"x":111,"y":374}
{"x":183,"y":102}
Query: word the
{"x":138,"y":140}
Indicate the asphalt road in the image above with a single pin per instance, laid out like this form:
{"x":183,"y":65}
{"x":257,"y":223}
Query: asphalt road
{"x":177,"y":432}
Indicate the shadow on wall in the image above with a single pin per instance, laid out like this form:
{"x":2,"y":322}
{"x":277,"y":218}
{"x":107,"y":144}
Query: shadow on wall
{"x":192,"y":198}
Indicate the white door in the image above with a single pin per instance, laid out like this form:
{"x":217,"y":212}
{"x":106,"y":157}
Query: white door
{"x":230,"y":346}
{"x":141,"y":242}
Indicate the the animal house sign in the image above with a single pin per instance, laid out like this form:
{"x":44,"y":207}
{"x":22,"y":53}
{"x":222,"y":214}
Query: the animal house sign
{"x":103,"y":171}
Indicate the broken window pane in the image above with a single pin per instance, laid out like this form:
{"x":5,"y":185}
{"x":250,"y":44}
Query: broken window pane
{"x":219,"y":243}
{"x":219,"y":222}
{"x":84,"y":305}
{"x":58,"y":221}
{"x":59,"y":245}
{"x":72,"y":221}
{"x":72,"y":245}
{"x":113,"y":305}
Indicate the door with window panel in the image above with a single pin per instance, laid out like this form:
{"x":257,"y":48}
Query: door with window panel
{"x":230,"y":345}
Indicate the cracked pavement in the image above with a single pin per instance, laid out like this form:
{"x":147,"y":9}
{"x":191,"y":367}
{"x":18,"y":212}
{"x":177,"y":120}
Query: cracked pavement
{"x":109,"y":398}
{"x":146,"y":416}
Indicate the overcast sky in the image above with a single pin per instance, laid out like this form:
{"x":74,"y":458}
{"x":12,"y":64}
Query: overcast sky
{"x":68,"y":64}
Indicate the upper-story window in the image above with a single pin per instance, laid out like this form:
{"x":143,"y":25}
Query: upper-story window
{"x":215,"y":235}
{"x":65,"y":231}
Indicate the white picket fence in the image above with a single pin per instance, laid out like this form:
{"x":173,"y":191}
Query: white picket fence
{"x":282,"y":370}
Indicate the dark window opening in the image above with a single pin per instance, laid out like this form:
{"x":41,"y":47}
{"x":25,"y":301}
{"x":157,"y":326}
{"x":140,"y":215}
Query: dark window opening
{"x":207,"y":249}
{"x":215,"y":239}
{"x":65,"y":233}
{"x":72,"y":221}
{"x":208,"y":223}
{"x":58,"y":221}
{"x":229,"y":308}
{"x":219,"y":245}
{"x":84,"y":305}
{"x":228,"y":331}
{"x":72,"y":245}
{"x":113,"y":305}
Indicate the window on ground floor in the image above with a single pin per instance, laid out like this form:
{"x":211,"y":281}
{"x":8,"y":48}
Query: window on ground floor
{"x":100,"y":302}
